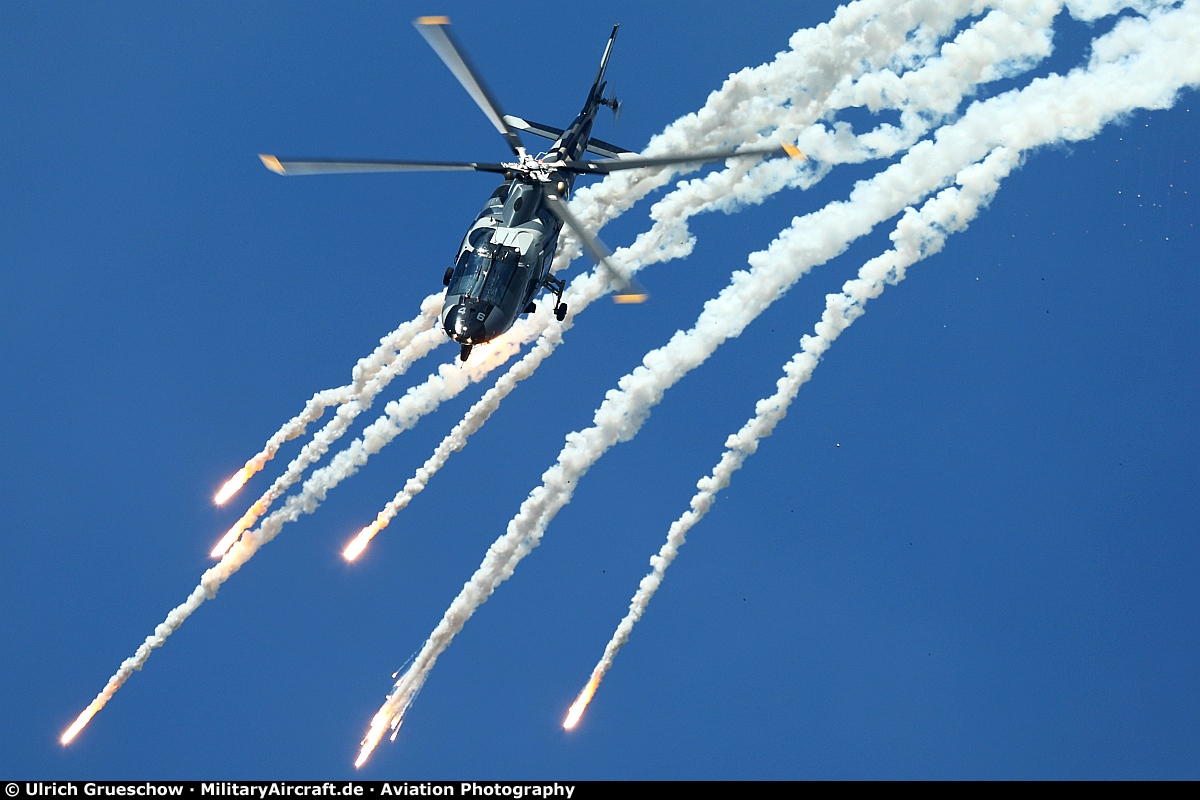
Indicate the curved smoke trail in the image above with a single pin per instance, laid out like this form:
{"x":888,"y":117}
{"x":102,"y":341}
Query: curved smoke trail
{"x":356,"y":403}
{"x":386,"y":354}
{"x":918,"y":235}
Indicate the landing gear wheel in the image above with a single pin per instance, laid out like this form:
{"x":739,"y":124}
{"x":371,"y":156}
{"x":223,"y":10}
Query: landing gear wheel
{"x":465,"y":353}
{"x":446,"y":277}
{"x":560,"y":312}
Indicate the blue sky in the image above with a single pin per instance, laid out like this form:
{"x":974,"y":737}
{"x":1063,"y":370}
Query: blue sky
{"x":969,"y":551}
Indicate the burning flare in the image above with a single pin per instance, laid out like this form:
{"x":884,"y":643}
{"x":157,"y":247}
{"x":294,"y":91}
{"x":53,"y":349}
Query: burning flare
{"x":233,"y":484}
{"x":364,"y":537}
{"x":248,"y":519}
{"x":581,"y":703}
{"x":229,"y":538}
{"x":81,"y":721}
{"x":379,"y":724}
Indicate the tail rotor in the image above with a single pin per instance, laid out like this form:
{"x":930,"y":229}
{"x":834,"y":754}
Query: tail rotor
{"x":612,"y":102}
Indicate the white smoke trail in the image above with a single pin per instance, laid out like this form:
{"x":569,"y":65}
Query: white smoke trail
{"x":384,"y":356}
{"x":419,"y":346}
{"x":1141,"y":63}
{"x":782,"y":98}
{"x":918,"y":235}
{"x":415,"y":339}
{"x":474,"y":419}
{"x":391,"y":348}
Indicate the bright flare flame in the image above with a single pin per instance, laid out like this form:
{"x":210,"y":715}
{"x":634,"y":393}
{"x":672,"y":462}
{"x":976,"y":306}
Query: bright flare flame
{"x":233,"y":484}
{"x":379,"y":724}
{"x":80,"y":722}
{"x":364,"y":537}
{"x":581,"y":703}
{"x":248,"y":519}
{"x":231,"y":536}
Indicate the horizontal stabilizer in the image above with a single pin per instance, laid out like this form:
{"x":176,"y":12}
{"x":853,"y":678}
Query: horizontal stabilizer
{"x":607,"y":150}
{"x":536,"y":128}
{"x":554,"y":134}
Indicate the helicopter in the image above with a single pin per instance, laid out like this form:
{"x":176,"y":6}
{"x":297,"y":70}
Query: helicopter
{"x":505,"y":257}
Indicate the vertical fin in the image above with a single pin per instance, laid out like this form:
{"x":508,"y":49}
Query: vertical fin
{"x":598,"y":84}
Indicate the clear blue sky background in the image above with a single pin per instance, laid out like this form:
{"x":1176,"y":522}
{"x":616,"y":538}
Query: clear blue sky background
{"x":969,"y":551}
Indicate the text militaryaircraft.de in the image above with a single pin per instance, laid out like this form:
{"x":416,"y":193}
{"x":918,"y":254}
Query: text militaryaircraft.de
{"x":506,"y":255}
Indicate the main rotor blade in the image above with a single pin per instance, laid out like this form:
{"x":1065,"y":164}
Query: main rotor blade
{"x":436,"y":31}
{"x":628,"y":290}
{"x":329,"y":166}
{"x":615,"y":164}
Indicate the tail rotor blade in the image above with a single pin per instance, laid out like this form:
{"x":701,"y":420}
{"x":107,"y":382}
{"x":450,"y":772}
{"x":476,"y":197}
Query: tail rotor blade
{"x":436,"y":31}
{"x":627,"y":289}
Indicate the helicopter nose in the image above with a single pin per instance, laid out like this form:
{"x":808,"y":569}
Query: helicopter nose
{"x":463,"y":325}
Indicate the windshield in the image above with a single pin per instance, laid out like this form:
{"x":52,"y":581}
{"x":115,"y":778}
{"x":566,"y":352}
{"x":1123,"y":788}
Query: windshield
{"x":504,"y":267}
{"x":462,"y":280}
{"x":485,"y":273}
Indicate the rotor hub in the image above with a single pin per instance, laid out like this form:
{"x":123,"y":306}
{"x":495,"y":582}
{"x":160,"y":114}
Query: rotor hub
{"x":531,"y":168}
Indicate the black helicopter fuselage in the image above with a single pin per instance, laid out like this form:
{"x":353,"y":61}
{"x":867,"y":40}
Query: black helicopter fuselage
{"x":503,"y":260}
{"x":506,"y":255}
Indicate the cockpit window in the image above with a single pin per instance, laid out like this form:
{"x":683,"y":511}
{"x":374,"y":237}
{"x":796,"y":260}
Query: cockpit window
{"x":478,"y":236}
{"x":469,"y":274}
{"x":463,"y":267}
{"x":503,"y":268}
{"x":486,"y":273}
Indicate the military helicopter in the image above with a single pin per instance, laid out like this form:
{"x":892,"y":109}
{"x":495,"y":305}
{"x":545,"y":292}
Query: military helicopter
{"x":505,"y":257}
